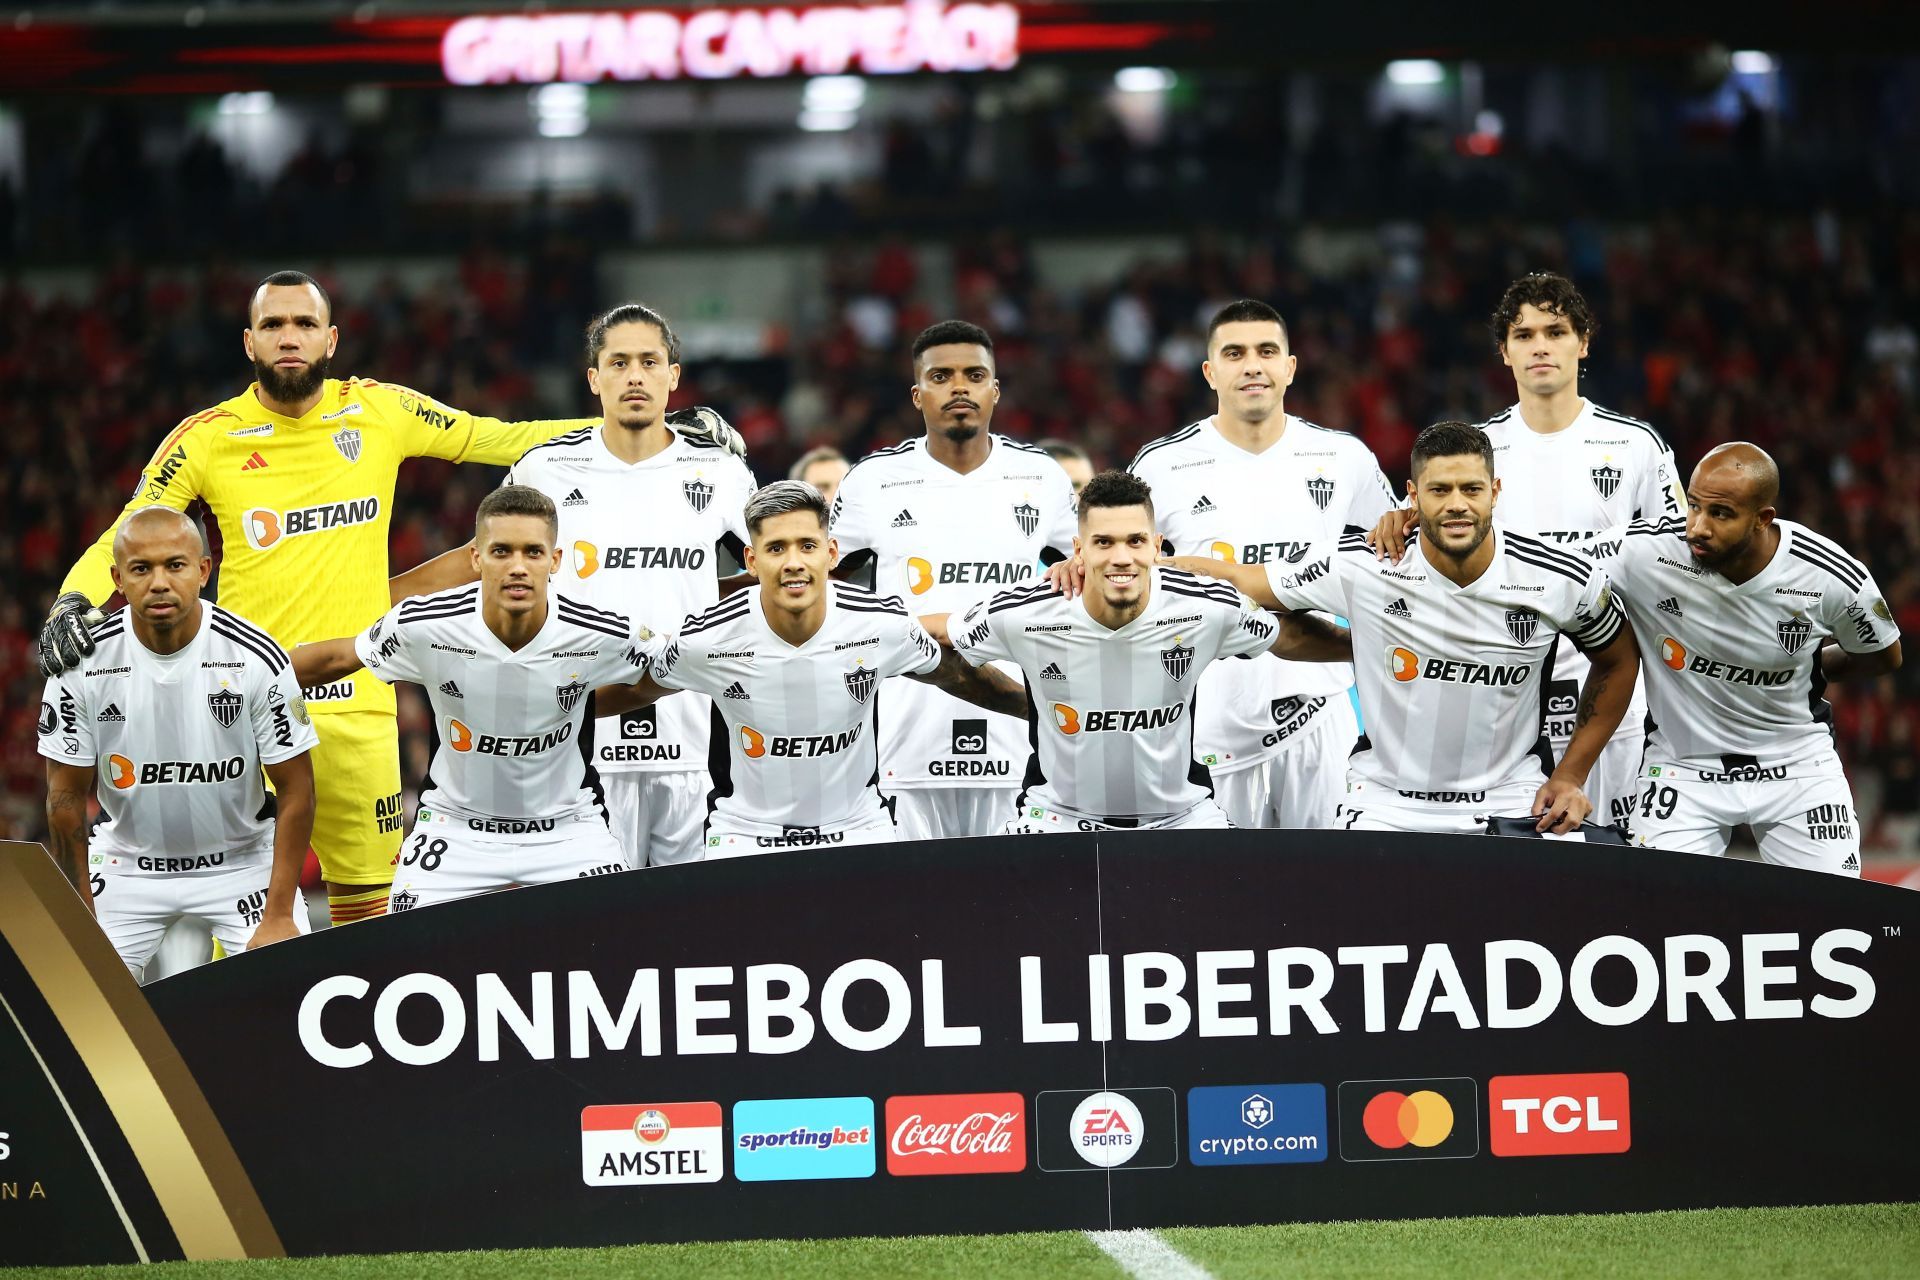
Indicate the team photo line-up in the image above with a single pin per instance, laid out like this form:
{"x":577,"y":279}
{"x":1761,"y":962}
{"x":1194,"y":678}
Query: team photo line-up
{"x":1550,"y":634}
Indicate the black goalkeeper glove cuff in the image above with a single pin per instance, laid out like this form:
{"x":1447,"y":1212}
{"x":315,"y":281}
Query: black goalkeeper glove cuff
{"x":65,"y":639}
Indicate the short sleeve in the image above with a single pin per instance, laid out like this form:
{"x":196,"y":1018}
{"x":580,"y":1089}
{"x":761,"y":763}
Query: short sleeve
{"x":1661,"y":493}
{"x":385,"y":650}
{"x":851,"y":522}
{"x":677,"y":666}
{"x":66,"y":731}
{"x":1859,"y":618}
{"x":914,"y":651}
{"x":1597,"y":616}
{"x":975,"y":636}
{"x":1316,"y":585}
{"x":1065,"y":522}
{"x":1372,"y":496}
{"x":282,"y":729}
{"x":632,"y":661}
{"x":1252,"y":630}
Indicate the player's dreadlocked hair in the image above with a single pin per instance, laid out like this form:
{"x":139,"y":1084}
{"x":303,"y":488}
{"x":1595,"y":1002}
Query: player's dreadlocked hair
{"x":1451,"y":440}
{"x":1547,"y":290}
{"x":629,"y":313}
{"x":1115,"y":489}
{"x":951,"y":331}
{"x":1244,"y":311}
{"x":516,"y":500}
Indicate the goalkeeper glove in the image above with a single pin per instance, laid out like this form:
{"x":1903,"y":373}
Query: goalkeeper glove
{"x":64,"y":640}
{"x":705,"y":426}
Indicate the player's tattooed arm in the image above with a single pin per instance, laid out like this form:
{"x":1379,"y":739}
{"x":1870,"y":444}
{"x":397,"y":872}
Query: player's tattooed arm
{"x":1312,"y":637}
{"x":1837,"y":664}
{"x":1561,"y":804}
{"x":68,"y":787}
{"x":618,"y":699}
{"x":983,"y":686}
{"x":325,"y":661}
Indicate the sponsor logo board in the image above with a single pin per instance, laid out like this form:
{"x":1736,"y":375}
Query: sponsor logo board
{"x":1257,"y":1124}
{"x":794,"y":1139}
{"x":651,"y":1144}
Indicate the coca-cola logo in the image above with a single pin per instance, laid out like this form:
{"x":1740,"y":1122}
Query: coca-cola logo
{"x":957,"y":1133}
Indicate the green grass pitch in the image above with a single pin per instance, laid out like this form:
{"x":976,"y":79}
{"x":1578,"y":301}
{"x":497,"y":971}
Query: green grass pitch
{"x":1845,"y":1240}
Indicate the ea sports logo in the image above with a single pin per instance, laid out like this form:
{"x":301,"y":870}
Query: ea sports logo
{"x":752,"y":742}
{"x":919,"y":576}
{"x":121,"y":772}
{"x":262,"y":527}
{"x":1673,"y":653}
{"x":586,"y":559}
{"x":1392,"y":1120}
{"x":1106,"y":1129}
{"x":651,"y":1127}
{"x":460,"y":737}
{"x":1403,"y":663}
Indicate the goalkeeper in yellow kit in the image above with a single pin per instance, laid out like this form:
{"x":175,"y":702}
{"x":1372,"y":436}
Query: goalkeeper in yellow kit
{"x":299,"y":472}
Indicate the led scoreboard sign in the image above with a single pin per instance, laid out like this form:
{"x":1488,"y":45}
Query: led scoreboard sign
{"x":719,"y":44}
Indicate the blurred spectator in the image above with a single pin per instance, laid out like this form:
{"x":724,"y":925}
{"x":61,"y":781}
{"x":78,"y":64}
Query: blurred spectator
{"x":823,"y":468}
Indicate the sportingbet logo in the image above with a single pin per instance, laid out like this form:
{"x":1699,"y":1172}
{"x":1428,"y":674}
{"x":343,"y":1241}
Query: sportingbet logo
{"x":1406,"y":666}
{"x":1565,"y":1115}
{"x":956,"y":1133}
{"x":923,"y":575}
{"x":653,"y":1144}
{"x":789,"y":1139}
{"x":266,"y":528}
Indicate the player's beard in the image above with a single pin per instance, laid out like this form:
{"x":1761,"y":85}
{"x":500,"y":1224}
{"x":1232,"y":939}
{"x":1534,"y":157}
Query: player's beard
{"x":962,"y":432}
{"x":291,"y":388}
{"x":1481,"y":528}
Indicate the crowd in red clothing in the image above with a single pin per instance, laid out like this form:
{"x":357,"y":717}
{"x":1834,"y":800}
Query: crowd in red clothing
{"x":1800,"y":332}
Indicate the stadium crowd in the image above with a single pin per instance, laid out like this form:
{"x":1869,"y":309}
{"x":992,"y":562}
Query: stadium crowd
{"x":1800,"y":332}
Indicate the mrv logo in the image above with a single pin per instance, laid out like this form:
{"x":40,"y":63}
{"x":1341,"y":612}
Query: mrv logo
{"x":776,"y":1008}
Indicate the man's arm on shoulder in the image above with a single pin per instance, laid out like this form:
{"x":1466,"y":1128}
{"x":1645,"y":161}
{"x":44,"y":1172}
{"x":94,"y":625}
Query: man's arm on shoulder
{"x":1561,"y":803}
{"x":1250,"y":580}
{"x":68,"y":788}
{"x":324,"y":661}
{"x":1311,"y":637}
{"x":984,"y":686}
{"x":448,"y":569}
{"x":618,"y":699}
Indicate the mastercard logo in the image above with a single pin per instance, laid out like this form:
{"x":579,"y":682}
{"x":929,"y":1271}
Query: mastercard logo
{"x":919,"y":576}
{"x":1403,"y":663}
{"x":121,"y":772}
{"x":461,"y":738}
{"x":1673,"y":653}
{"x":1393,"y":1120}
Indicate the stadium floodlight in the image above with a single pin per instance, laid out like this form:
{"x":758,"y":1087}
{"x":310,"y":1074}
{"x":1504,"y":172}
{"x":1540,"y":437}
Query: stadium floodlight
{"x":1754,"y":62}
{"x":246,"y":104}
{"x":1415,"y":71}
{"x":560,"y":110}
{"x":834,"y":93}
{"x":1143,"y":79}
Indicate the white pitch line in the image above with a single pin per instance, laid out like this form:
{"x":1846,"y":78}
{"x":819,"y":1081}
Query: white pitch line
{"x":1143,"y":1255}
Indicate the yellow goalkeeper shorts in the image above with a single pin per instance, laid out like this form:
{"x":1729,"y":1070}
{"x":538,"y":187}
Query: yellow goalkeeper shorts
{"x":357,"y":816}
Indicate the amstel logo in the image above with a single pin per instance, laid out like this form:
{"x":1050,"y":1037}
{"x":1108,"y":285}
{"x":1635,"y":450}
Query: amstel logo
{"x":121,"y":772}
{"x":919,"y":576}
{"x":1403,"y":663}
{"x":1673,"y":653}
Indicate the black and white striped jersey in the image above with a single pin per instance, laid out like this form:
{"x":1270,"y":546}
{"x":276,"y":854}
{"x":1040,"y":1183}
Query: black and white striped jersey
{"x":1451,"y":678}
{"x":1113,"y":710}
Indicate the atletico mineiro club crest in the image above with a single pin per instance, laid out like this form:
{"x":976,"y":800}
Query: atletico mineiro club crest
{"x":1177,"y":660}
{"x":1521,"y":625}
{"x":1606,"y":480}
{"x":1794,"y":632}
{"x":699,"y":494}
{"x":1028,"y":517}
{"x":860,"y":682}
{"x":225,"y":705}
{"x":568,"y":695}
{"x":1320,"y":489}
{"x":347,"y":441}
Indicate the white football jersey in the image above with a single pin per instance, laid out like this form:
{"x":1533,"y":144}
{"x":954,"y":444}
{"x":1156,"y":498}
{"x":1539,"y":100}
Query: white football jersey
{"x":178,"y":739}
{"x":943,"y":540}
{"x":798,"y":743}
{"x":1733,"y":672}
{"x":1281,"y":506}
{"x":1451,"y":678}
{"x":509,"y":720}
{"x":1112,"y":711}
{"x":1601,"y":471}
{"x":639,"y":539}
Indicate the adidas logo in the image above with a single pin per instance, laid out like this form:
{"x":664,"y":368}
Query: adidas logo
{"x":1203,"y":506}
{"x":254,"y":463}
{"x":1669,"y":605}
{"x":1052,"y":671}
{"x":574,"y":499}
{"x":452,"y":690}
{"x":111,"y":715}
{"x":1852,"y":863}
{"x":904,"y":520}
{"x":735,"y":692}
{"x":1398,"y":609}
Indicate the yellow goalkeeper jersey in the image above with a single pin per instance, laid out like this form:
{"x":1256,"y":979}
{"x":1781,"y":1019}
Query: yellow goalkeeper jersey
{"x":304,"y":505}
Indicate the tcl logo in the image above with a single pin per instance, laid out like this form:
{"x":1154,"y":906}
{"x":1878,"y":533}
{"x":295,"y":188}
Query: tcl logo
{"x":956,"y":1133}
{"x":1572,"y":1115}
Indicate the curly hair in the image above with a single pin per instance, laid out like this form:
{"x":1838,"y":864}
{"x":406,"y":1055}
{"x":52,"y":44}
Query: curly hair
{"x":1549,"y":291}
